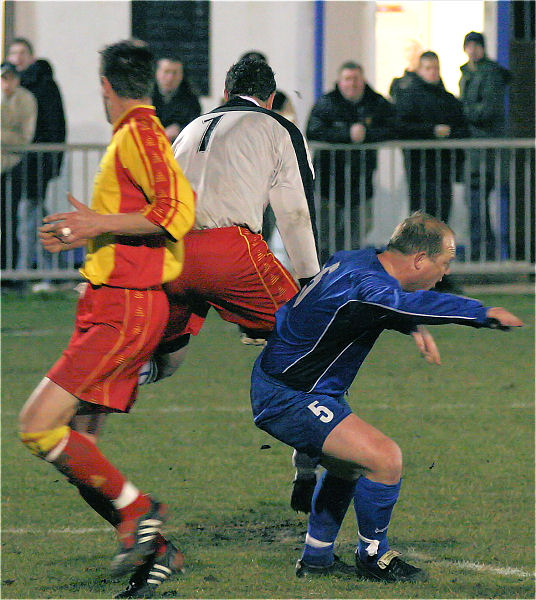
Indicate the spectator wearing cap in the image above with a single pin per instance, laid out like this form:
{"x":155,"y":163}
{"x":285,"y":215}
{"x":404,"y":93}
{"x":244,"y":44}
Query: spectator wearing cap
{"x":36,"y":75}
{"x":482,"y":92}
{"x":19,"y":115}
{"x":175,"y":101}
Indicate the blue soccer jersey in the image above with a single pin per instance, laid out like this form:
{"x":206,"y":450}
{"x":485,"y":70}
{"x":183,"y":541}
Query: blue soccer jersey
{"x":323,"y":335}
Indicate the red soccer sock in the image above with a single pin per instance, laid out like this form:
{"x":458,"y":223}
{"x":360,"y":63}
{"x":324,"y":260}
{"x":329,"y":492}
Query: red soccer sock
{"x":161,"y":544}
{"x":82,"y":461}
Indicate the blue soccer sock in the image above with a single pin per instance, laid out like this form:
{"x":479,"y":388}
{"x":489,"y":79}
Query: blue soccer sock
{"x":374,"y":503}
{"x":330,"y":502}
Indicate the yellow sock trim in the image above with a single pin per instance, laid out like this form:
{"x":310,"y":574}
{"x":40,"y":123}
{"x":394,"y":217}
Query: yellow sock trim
{"x":42,"y":442}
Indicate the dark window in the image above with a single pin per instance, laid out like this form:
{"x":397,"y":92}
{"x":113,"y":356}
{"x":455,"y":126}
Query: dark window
{"x":177,"y":28}
{"x":523,"y":20}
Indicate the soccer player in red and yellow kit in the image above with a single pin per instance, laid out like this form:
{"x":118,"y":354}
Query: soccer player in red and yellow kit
{"x":141,"y":208}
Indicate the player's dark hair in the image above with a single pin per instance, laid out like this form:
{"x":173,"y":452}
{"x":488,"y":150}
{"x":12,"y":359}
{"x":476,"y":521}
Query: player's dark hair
{"x":175,"y":58}
{"x":350,"y":64}
{"x":24,"y":42}
{"x":474,"y":36}
{"x":419,"y":232}
{"x":255,"y":54}
{"x":428,"y":55}
{"x":129,"y":66}
{"x":250,"y":77}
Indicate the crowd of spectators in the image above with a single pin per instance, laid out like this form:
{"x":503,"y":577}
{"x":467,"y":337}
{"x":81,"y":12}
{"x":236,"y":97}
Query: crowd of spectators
{"x":420,"y":108}
{"x":353,"y":113}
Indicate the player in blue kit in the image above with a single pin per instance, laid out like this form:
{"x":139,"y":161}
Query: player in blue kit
{"x":322,"y":337}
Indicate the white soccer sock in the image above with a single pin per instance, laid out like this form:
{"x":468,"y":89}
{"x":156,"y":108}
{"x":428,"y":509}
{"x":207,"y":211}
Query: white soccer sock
{"x":128,"y":494}
{"x":305,"y":465}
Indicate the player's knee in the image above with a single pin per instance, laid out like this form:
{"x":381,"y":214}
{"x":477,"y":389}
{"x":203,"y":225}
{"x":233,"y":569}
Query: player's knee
{"x":391,"y":461}
{"x":42,"y":443}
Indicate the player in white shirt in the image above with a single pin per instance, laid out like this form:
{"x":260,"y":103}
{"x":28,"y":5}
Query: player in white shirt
{"x":239,"y":158}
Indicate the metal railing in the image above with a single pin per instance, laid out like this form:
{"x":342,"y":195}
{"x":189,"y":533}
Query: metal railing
{"x":27,"y":196}
{"x":485,"y":188}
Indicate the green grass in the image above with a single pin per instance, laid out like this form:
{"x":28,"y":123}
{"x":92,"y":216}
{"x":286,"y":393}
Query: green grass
{"x":466,"y":429}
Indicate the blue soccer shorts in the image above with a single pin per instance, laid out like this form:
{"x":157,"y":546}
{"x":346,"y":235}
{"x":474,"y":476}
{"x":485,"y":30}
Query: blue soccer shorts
{"x":300,"y":419}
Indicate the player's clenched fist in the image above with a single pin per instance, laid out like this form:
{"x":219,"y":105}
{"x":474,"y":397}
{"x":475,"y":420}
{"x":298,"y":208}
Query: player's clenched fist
{"x":504,"y":318}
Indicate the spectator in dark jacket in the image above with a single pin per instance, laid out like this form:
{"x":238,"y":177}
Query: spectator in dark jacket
{"x":173,"y":98}
{"x":482,"y":92}
{"x":352,"y":113}
{"x":426,"y":111}
{"x":482,"y":89}
{"x":36,"y":76}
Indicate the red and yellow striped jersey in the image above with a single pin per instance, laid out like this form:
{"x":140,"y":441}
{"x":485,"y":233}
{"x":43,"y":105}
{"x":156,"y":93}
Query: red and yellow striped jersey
{"x":138,"y":173}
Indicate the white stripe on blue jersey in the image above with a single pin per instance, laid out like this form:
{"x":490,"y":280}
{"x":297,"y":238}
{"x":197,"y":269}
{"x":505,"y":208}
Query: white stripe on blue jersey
{"x":323,"y":335}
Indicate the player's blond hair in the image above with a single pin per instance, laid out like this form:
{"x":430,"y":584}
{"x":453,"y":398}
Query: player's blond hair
{"x":420,"y":232}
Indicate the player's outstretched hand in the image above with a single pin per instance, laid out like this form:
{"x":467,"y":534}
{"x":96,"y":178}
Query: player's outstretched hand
{"x":70,"y":227}
{"x":426,"y":345}
{"x":502,"y":319}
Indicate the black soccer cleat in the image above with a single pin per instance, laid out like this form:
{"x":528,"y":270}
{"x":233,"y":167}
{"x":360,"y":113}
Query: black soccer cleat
{"x":138,"y":539}
{"x":388,"y":568}
{"x":338,"y":567}
{"x":167,"y":561}
{"x":301,"y":497}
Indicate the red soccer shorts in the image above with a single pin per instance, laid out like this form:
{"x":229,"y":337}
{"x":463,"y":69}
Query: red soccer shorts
{"x":116,"y":331}
{"x":232,"y":270}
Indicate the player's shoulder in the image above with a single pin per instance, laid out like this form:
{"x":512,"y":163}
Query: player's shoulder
{"x":356,"y":260}
{"x":142,"y":126}
{"x":362,"y":270}
{"x":198,"y":122}
{"x":258,"y":114}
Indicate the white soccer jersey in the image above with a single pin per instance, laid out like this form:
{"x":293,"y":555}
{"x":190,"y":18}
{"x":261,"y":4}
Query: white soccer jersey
{"x":239,"y":158}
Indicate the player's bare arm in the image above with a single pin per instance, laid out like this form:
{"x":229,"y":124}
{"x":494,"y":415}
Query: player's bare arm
{"x":85,"y":223}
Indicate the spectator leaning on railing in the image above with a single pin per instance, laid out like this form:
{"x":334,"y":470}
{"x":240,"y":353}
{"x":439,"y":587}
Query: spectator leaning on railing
{"x":19,"y":114}
{"x":426,"y":111}
{"x":482,"y":93}
{"x":351,"y":113}
{"x":36,"y":76}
